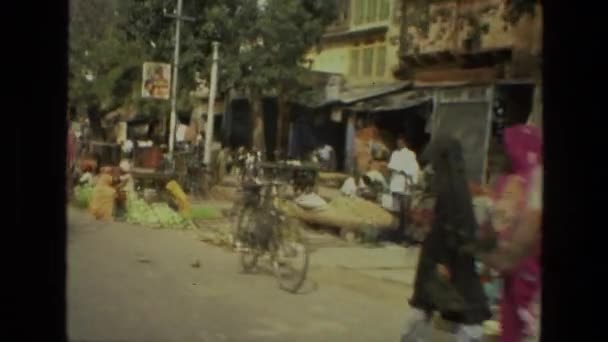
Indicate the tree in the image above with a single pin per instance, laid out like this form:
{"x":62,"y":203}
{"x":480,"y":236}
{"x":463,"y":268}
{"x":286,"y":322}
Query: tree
{"x":261,"y":46}
{"x":289,"y":28}
{"x":103,"y":67}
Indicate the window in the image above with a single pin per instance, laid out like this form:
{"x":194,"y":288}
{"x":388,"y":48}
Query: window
{"x":381,"y":61}
{"x":368,"y":61}
{"x":354,"y":62}
{"x":370,"y":11}
{"x":343,"y":17}
{"x":385,"y":10}
{"x":359,"y":11}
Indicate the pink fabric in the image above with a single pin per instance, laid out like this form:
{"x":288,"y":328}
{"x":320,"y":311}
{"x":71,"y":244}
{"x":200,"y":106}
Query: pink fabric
{"x":522,"y":283}
{"x":522,"y":141}
{"x":70,"y":147}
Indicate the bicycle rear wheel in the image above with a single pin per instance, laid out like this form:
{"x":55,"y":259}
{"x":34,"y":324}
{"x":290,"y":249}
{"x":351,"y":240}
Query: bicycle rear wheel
{"x":248,"y":252}
{"x":291,"y":264}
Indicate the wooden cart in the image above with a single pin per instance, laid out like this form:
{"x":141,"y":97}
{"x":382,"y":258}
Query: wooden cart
{"x":149,"y":178}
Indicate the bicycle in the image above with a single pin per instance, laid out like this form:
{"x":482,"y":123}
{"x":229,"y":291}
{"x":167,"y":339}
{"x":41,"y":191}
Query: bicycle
{"x":262,"y":228}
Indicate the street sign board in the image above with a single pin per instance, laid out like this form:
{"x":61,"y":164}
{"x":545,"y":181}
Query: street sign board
{"x":156,"y":81}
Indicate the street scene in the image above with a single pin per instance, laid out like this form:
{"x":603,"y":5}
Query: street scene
{"x":297,"y":170}
{"x":129,"y":283}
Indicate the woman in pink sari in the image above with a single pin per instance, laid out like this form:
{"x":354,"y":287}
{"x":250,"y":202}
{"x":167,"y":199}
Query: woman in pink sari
{"x":517,"y":256}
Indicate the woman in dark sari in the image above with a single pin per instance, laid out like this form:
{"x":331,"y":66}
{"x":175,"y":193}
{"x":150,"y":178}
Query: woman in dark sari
{"x":446,"y":279}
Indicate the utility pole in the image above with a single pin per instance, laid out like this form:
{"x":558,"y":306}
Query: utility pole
{"x":178,"y":20}
{"x":211,"y":107}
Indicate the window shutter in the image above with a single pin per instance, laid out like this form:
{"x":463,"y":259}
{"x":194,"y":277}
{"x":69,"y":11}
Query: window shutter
{"x":372,"y":11}
{"x":358,"y":11}
{"x":368,"y":60}
{"x":354,"y":62}
{"x":381,"y":61}
{"x":385,"y":9}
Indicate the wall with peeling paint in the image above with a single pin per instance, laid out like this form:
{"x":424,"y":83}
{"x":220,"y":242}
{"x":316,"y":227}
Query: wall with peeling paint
{"x":445,"y":25}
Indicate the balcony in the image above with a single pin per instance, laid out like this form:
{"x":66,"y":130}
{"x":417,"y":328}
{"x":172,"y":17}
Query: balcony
{"x":472,"y":32}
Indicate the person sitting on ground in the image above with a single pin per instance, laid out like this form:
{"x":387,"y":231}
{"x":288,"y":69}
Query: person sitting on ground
{"x":351,"y":186}
{"x":361,"y":186}
{"x":376,"y":176}
{"x":326,"y":157}
{"x":102,"y":200}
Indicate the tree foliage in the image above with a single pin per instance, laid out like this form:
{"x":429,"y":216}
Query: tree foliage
{"x":260,"y":46}
{"x":103,"y":67}
{"x":287,"y":29}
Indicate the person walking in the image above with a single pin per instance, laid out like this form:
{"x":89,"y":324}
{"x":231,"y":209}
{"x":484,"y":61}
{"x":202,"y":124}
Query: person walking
{"x":516,"y":223}
{"x":446,"y":280}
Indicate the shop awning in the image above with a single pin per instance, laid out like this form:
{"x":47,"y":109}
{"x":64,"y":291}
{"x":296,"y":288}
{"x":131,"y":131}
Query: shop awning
{"x":353,"y":95}
{"x":349,"y":96}
{"x":399,"y":101}
{"x":403,"y":105}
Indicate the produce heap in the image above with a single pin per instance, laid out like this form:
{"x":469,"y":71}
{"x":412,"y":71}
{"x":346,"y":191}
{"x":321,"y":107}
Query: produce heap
{"x":155,"y":215}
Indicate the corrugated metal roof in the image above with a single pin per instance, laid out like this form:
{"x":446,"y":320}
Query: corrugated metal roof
{"x":398,"y":101}
{"x":402,"y":105}
{"x":317,"y":98}
{"x":353,"y":95}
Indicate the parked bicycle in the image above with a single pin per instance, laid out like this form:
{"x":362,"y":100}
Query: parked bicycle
{"x":263,"y":229}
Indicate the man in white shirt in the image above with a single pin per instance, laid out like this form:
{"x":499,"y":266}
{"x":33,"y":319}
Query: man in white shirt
{"x":403,"y":164}
{"x":405,"y":172}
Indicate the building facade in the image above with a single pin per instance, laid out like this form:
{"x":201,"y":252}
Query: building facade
{"x":482,"y":59}
{"x":362,"y":45}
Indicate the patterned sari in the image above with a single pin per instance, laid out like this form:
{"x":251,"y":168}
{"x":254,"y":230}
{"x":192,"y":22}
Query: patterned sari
{"x":521,"y":283}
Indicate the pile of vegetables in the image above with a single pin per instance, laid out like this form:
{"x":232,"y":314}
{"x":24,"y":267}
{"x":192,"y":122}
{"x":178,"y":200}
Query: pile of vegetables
{"x":156,"y":215}
{"x":167,"y":217}
{"x":139,"y":212}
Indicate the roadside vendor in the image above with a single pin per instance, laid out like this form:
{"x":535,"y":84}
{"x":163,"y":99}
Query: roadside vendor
{"x":125,"y":188}
{"x":326,"y":157}
{"x":102,"y":200}
{"x":352,"y":185}
{"x":367,"y":186}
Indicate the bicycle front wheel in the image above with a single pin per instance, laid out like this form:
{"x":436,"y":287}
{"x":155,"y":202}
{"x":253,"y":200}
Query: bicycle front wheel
{"x":291,"y":264}
{"x":248,"y":252}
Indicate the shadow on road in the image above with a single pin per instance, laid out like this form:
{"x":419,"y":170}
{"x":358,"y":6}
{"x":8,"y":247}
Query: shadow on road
{"x":265,"y":269}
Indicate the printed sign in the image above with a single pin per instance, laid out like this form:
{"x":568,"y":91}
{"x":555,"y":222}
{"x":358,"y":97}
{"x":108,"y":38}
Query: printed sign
{"x":156,"y":81}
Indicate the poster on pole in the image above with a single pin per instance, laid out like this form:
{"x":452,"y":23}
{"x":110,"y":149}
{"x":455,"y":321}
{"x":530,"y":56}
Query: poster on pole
{"x":156,"y":81}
